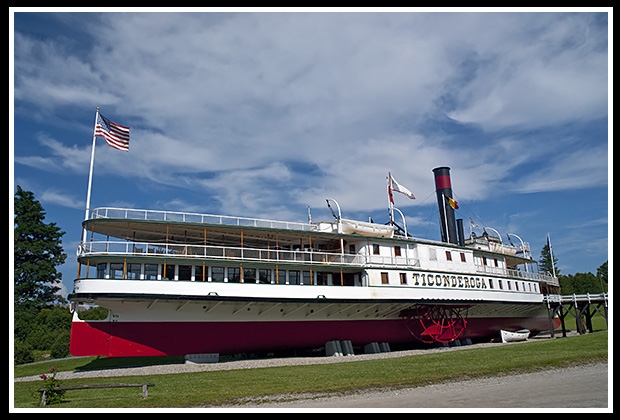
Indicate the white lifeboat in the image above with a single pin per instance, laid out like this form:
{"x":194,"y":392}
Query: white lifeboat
{"x":352,"y":227}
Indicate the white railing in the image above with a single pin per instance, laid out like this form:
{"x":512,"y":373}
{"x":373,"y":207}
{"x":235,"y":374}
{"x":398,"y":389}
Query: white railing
{"x":539,"y":277}
{"x":175,"y":216}
{"x":577,"y":298}
{"x":123,"y":248}
{"x":544,"y":278}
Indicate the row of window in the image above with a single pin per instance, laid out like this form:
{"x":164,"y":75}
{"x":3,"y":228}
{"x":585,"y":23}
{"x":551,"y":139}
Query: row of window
{"x":494,"y":262}
{"x":179,"y":272}
{"x":432,"y":255}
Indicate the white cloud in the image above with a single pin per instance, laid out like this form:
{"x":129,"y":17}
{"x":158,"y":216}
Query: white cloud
{"x":52,"y":196}
{"x":235,"y":104}
{"x":553,"y":72}
{"x":582,"y":168}
{"x":57,"y":156}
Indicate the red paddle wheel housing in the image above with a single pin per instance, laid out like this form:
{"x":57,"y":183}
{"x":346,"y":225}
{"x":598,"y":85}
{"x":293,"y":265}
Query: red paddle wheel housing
{"x":436,"y":323}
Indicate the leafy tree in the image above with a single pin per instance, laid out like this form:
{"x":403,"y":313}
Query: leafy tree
{"x":579,"y":283}
{"x":582,"y":283}
{"x":37,"y":252}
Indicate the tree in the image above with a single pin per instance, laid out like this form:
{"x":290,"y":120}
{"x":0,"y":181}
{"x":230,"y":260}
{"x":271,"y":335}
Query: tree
{"x":545,"y":263}
{"x":579,"y":283}
{"x":37,"y":252}
{"x":601,"y":273}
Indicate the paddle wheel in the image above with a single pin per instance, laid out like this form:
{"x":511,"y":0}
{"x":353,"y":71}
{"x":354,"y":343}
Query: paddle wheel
{"x":435,"y":323}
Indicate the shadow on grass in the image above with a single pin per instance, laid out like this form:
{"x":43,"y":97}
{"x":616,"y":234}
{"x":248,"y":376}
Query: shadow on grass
{"x":128,"y":362}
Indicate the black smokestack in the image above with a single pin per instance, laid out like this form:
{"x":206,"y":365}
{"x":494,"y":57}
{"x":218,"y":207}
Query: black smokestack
{"x":459,"y":230}
{"x":443,"y":189}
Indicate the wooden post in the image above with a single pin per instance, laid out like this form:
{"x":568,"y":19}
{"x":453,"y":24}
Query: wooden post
{"x":550,"y":315}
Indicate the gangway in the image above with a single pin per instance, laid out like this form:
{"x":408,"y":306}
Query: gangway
{"x":579,"y":306}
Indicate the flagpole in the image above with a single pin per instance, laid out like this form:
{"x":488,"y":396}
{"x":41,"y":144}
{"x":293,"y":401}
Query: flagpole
{"x":551,"y":254}
{"x":390,"y":204}
{"x":90,"y":175}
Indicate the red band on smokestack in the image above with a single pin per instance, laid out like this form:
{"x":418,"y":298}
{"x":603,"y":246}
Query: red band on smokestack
{"x":443,"y":181}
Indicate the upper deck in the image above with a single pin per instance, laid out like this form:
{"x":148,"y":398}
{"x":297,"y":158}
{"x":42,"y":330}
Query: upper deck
{"x":199,"y":218}
{"x":192,"y":236}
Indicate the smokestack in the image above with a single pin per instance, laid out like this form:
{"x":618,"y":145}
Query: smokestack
{"x":443,"y":189}
{"x":459,"y":230}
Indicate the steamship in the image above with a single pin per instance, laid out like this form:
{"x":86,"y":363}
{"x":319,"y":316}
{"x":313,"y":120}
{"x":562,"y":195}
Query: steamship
{"x":184,"y":283}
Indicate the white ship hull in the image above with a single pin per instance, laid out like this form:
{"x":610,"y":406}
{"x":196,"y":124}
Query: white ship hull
{"x":176,"y":318}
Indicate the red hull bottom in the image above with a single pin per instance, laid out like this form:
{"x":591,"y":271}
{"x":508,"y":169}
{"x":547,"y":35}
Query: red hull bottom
{"x":122,"y":339}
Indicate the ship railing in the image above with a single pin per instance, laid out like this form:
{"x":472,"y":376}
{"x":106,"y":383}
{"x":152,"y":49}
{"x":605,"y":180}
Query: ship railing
{"x":175,"y":216}
{"x":128,"y":248}
{"x":587,"y":297}
{"x":518,"y":274}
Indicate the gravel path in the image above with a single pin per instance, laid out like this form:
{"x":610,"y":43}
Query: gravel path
{"x":255,"y":363}
{"x":584,"y":386}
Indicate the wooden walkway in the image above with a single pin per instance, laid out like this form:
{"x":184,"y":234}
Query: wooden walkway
{"x":579,"y":306}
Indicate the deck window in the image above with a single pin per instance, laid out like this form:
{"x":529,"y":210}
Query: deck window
{"x":185,"y":272}
{"x":249,"y":275}
{"x":234,"y":275}
{"x":384,"y":278}
{"x":375,"y":249}
{"x":133,"y":271}
{"x":217,"y":274}
{"x":264,"y":276}
{"x":306,"y":277}
{"x":463,"y":257}
{"x":101,"y":270}
{"x":293,"y":277}
{"x":397,"y":251}
{"x":403,"y":278}
{"x":116,"y":270}
{"x":150,"y":271}
{"x":448,"y":255}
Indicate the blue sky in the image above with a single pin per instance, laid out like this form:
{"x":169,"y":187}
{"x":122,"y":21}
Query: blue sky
{"x":263,"y":114}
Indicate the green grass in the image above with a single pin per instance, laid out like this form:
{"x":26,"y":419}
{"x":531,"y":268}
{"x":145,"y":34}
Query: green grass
{"x":226,"y":387}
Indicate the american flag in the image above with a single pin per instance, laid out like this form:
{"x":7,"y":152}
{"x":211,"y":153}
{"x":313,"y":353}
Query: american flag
{"x":116,"y":135}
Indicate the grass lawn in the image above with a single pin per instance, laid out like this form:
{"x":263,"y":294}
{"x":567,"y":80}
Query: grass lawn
{"x":226,"y":387}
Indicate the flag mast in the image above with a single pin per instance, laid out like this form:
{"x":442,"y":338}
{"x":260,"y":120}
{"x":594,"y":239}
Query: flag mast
{"x":390,"y":198}
{"x":90,"y":174}
{"x":551,"y":254}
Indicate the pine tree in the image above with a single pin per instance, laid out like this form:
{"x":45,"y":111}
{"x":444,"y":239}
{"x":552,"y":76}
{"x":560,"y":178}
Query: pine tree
{"x":545,"y":263}
{"x":37,"y":252}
